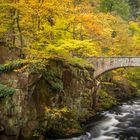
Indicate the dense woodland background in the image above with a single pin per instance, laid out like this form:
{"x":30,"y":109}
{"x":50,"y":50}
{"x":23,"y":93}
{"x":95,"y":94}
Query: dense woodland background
{"x":73,"y":29}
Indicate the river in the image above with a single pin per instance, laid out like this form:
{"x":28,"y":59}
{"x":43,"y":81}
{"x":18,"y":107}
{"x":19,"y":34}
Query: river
{"x":120,"y":123}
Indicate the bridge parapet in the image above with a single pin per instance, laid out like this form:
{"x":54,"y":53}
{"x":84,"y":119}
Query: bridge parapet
{"x":104,"y":64}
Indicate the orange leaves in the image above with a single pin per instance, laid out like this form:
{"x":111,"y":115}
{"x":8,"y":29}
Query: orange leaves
{"x":47,"y":22}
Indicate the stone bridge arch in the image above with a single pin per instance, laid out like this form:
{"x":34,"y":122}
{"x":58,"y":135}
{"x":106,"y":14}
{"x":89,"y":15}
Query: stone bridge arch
{"x":105,"y":64}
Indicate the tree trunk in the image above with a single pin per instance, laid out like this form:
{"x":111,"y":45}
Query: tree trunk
{"x":20,"y":32}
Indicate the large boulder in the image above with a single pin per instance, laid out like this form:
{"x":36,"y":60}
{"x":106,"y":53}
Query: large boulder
{"x":7,"y":54}
{"x":23,"y":114}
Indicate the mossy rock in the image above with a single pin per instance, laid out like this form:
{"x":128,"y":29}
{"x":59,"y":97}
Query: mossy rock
{"x":6,"y":91}
{"x":106,"y":101}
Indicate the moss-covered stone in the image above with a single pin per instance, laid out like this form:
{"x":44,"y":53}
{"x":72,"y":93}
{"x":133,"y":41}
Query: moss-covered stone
{"x":59,"y":84}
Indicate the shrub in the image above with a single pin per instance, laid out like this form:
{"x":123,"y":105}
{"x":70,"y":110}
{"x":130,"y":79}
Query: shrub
{"x":11,"y":66}
{"x":6,"y":91}
{"x":55,"y":82}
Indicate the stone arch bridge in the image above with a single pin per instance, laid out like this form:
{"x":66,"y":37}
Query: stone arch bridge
{"x":105,"y":64}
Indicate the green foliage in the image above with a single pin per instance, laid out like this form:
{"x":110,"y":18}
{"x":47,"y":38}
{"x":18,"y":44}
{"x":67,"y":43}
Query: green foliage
{"x":106,"y":101}
{"x":6,"y":91}
{"x":37,"y":66}
{"x":55,"y":82}
{"x":57,"y":86}
{"x":62,"y":122}
{"x":10,"y":66}
{"x":79,"y":62}
{"x":121,"y":7}
{"x":133,"y":77}
{"x":135,"y":5}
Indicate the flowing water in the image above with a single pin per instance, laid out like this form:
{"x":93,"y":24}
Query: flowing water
{"x":120,"y":123}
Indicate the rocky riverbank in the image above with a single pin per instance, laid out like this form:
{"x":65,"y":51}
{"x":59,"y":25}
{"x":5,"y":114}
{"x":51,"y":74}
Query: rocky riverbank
{"x":50,"y":103}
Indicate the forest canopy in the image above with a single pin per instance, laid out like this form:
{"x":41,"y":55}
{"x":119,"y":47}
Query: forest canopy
{"x":74,"y":28}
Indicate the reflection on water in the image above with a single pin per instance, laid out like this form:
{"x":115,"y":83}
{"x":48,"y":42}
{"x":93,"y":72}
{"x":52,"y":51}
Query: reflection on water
{"x":120,"y":123}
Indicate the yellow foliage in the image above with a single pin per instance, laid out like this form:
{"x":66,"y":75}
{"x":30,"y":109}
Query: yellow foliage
{"x":117,"y":78}
{"x":56,"y":28}
{"x":56,"y":112}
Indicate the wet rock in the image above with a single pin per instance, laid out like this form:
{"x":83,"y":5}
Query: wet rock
{"x":133,"y":138}
{"x":1,"y":129}
{"x":123,"y":125}
{"x":131,"y":131}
